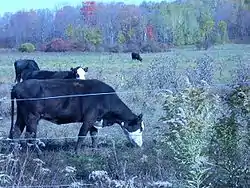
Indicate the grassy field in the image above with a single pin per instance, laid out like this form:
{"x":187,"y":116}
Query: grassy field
{"x":123,"y":74}
{"x":157,"y":71}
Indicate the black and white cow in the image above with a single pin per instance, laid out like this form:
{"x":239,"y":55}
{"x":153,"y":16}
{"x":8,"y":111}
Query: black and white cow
{"x":73,"y":73}
{"x":102,"y":105}
{"x":136,"y":56}
{"x":24,"y":64}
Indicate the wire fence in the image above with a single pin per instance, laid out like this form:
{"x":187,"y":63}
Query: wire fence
{"x":53,"y":186}
{"x":90,"y":94}
{"x":75,"y":137}
{"x":70,"y":137}
{"x":94,"y":94}
{"x":107,"y":93}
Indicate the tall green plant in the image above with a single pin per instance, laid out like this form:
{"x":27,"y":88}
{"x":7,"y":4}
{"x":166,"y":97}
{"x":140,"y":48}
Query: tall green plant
{"x":231,"y":140}
{"x":190,"y":116}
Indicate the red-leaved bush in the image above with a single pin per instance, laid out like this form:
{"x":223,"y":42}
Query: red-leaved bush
{"x":60,"y":45}
{"x":57,"y":45}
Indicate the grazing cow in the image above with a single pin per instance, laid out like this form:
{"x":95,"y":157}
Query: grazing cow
{"x":74,"y":73}
{"x":105,"y":108}
{"x":136,"y":56}
{"x":24,"y":64}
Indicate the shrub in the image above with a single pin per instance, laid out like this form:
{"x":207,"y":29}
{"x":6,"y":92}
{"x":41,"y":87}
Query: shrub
{"x":27,"y":47}
{"x":131,"y":47}
{"x":100,"y":49}
{"x":114,"y":48}
{"x":86,"y":164}
{"x":165,"y":47}
{"x":90,"y":47}
{"x":241,"y":73}
{"x":77,"y":46}
{"x":190,"y":117}
{"x":151,"y":46}
{"x":230,"y":145}
{"x":13,"y":166}
{"x":205,"y":44}
{"x":57,"y":45}
{"x":208,"y":136}
{"x":204,"y":70}
{"x":60,"y":45}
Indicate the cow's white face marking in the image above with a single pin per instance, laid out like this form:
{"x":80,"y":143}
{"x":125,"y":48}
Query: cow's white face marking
{"x":136,"y":136}
{"x":99,"y":124}
{"x":81,"y":73}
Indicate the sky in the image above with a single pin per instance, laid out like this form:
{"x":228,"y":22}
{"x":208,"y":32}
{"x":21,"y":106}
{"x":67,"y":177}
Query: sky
{"x":15,"y":5}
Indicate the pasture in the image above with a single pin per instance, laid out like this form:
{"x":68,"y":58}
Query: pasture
{"x":139,"y":84}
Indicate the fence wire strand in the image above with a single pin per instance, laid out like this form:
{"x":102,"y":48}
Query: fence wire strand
{"x":90,"y":94}
{"x":94,"y":94}
{"x":6,"y":100}
{"x":106,"y":93}
{"x":70,"y":137}
{"x":53,"y":186}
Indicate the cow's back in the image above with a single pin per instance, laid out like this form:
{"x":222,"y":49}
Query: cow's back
{"x":27,"y":89}
{"x":67,"y":99}
{"x":26,"y":64}
{"x":54,"y":87}
{"x":44,"y":74}
{"x":39,"y":74}
{"x":74,"y":86}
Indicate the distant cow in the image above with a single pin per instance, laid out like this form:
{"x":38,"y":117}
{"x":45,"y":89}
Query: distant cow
{"x":101,"y":105}
{"x":136,"y":56}
{"x":73,"y":73}
{"x":24,"y":64}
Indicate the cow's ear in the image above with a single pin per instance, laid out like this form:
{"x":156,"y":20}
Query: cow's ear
{"x":86,"y":69}
{"x":140,"y":116}
{"x":71,"y":69}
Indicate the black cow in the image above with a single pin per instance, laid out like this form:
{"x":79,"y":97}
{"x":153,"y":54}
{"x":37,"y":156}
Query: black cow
{"x":136,"y":56}
{"x":73,"y":73}
{"x":24,"y":64}
{"x":106,"y":108}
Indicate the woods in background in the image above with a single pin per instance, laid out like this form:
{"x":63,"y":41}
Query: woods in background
{"x":117,"y":27}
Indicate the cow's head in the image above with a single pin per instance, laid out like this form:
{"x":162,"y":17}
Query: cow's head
{"x":133,"y":130}
{"x":80,"y":72}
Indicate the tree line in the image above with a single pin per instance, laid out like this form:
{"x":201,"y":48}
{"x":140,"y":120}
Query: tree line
{"x":118,"y":27}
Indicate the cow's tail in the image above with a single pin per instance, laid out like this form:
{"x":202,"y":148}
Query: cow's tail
{"x":13,"y":96}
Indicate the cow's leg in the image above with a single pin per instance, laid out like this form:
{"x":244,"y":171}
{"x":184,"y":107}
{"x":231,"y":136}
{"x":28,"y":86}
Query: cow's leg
{"x":18,"y":128}
{"x":88,"y":122}
{"x":93,"y":133}
{"x":31,"y":130}
{"x":17,"y":73}
{"x":18,"y":76}
{"x":16,"y":132}
{"x":81,"y":137}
